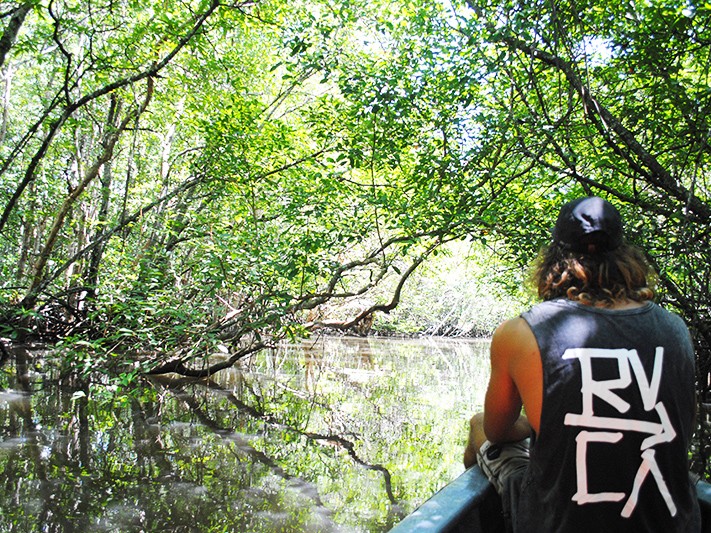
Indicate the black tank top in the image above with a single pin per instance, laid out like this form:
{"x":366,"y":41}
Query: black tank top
{"x":616,"y":421}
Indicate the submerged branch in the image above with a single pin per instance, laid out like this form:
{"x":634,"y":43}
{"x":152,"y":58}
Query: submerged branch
{"x":178,"y":366}
{"x":243,"y":445}
{"x":336,"y":440}
{"x":350,"y":448}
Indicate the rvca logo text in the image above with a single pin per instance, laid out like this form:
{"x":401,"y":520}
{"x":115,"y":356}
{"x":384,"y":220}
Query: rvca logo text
{"x":610,"y":429}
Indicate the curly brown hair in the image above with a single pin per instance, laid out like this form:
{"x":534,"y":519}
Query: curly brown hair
{"x":596,"y":279}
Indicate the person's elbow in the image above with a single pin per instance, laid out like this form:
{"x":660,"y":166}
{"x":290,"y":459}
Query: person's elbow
{"x":500,"y":430}
{"x":495,"y":431}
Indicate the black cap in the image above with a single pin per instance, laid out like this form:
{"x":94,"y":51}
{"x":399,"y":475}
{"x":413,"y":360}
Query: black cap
{"x":588,"y":225}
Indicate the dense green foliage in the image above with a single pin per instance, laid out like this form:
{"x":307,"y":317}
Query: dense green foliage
{"x":181,"y":177}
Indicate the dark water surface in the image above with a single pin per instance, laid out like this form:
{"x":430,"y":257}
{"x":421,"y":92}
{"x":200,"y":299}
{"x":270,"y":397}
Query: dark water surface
{"x":335,"y":434}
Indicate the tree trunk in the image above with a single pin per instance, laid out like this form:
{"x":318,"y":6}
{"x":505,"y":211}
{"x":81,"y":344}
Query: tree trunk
{"x":12,"y":29}
{"x":113,"y":132}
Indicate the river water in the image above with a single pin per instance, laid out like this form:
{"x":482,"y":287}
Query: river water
{"x":331,"y":434}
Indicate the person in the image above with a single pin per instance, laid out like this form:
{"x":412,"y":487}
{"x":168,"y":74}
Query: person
{"x":605,"y":379}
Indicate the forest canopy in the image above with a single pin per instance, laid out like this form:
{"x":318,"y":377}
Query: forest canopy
{"x":188,"y":177}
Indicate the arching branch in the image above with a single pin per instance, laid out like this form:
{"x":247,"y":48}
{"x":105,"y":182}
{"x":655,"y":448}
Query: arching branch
{"x":603,"y":120}
{"x":72,"y":107}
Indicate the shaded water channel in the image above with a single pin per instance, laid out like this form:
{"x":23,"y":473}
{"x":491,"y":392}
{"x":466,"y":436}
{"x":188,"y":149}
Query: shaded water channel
{"x":335,"y":434}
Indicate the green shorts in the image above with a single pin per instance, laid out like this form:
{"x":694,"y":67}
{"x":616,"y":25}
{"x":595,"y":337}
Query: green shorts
{"x":501,"y":461}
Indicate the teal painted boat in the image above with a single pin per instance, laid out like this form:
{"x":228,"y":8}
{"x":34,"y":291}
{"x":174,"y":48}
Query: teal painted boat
{"x":469,"y":504}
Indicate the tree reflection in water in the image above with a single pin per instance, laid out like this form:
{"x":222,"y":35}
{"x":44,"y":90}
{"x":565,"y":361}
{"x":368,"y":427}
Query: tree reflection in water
{"x":334,"y":434}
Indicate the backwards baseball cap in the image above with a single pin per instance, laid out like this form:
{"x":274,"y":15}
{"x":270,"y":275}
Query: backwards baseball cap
{"x":588,"y":225}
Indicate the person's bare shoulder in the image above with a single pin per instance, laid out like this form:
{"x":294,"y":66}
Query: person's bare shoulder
{"x":513,"y":336}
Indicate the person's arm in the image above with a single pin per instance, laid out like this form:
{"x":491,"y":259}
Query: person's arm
{"x":503,"y":421}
